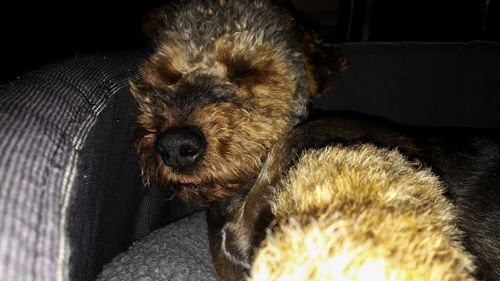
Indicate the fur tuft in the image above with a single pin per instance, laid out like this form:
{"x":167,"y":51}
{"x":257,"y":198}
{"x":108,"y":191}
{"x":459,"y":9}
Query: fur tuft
{"x":361,"y":213}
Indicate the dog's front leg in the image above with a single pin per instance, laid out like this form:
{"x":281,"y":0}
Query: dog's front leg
{"x":236,"y":230}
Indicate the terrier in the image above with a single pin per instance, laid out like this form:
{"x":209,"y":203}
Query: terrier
{"x":226,"y":82}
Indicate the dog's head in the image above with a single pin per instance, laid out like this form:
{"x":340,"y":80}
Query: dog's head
{"x":208,"y":114}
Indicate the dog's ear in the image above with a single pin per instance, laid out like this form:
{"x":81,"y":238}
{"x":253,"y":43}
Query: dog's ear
{"x":324,"y":64}
{"x":153,"y":22}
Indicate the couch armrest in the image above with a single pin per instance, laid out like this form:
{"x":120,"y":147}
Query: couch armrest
{"x":71,"y":195}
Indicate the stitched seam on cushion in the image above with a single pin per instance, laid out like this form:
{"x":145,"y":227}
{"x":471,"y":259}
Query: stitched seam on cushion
{"x":71,"y":172}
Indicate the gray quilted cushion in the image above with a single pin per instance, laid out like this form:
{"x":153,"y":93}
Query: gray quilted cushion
{"x":178,"y":251}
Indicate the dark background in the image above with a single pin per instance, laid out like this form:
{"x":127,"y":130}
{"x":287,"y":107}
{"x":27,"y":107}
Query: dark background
{"x":35,"y":33}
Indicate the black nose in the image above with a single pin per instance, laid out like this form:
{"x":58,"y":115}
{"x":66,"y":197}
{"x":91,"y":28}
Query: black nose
{"x":181,"y":148}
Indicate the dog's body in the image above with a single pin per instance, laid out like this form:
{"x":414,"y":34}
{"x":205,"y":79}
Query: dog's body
{"x":227,"y":81}
{"x":469,"y":168}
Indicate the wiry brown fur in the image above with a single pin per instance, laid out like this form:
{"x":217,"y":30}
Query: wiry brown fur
{"x":361,"y":213}
{"x":238,"y":226}
{"x":240,"y":72}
